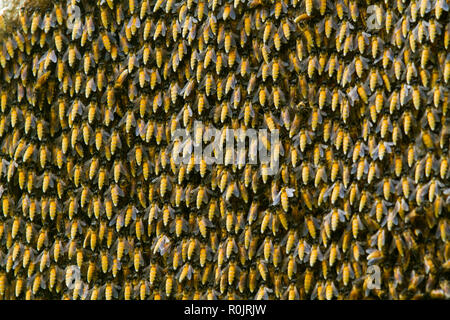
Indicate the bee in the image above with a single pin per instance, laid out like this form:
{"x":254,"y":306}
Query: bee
{"x":284,"y":196}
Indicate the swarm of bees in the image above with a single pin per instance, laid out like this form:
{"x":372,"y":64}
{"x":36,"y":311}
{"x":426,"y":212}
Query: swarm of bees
{"x":93,"y":205}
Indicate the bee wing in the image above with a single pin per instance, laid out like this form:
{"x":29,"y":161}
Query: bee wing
{"x":315,"y":292}
{"x":320,"y":255}
{"x":263,"y":293}
{"x":342,"y":215}
{"x":276,"y":200}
